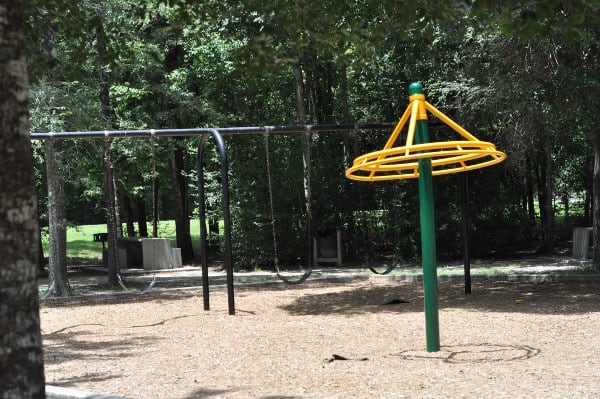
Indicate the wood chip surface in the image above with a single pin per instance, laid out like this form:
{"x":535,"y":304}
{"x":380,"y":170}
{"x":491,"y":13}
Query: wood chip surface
{"x":356,"y":339}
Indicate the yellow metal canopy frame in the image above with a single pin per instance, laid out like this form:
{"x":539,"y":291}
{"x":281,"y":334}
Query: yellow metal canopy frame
{"x":392,"y":163}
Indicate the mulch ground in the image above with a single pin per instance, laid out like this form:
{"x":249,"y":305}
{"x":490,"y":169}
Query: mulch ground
{"x":361,"y":338}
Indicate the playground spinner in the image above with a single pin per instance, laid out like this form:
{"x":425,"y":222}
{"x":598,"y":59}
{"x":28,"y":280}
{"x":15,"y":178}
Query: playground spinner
{"x":418,"y":158}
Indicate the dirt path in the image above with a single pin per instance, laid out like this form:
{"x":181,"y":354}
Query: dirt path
{"x":506,"y":340}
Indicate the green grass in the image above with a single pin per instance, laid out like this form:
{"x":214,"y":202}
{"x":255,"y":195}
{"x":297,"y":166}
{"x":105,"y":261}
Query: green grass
{"x":80,"y":244}
{"x":80,"y":239}
{"x":457,"y":271}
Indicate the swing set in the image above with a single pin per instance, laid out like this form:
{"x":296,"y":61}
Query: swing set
{"x":217,"y":135}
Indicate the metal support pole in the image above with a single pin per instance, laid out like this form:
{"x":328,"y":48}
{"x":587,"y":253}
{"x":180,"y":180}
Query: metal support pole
{"x":202,"y":217}
{"x":226,"y":218}
{"x":428,"y":249}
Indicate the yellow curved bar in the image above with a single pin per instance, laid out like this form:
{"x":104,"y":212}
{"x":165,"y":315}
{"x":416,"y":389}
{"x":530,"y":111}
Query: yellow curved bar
{"x":452,"y":157}
{"x":447,"y":157}
{"x":455,"y":126}
{"x":410,"y":136}
{"x":435,"y":146}
{"x":395,"y":163}
{"x":396,"y":132}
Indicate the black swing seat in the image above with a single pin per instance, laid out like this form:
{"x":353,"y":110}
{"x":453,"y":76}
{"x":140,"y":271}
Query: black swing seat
{"x":387,"y":270}
{"x":299,"y":281}
{"x":290,"y":279}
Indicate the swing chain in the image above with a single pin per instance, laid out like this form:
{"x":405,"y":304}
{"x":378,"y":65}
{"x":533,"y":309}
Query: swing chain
{"x":308,"y":272}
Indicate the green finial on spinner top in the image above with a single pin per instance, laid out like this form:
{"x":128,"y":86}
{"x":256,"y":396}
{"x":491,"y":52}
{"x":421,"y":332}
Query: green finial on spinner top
{"x":415,"y":88}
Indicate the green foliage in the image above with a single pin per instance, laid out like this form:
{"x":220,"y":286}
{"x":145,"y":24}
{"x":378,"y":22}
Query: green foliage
{"x":520,"y":74}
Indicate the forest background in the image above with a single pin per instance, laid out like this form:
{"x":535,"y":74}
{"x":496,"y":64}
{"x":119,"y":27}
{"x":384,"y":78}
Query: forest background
{"x":523,"y":75}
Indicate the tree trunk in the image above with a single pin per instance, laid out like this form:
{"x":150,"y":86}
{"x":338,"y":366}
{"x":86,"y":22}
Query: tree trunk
{"x":587,"y":207}
{"x":596,"y":200}
{"x":154,"y":208}
{"x":181,"y":204}
{"x":57,"y":221}
{"x":549,"y":209}
{"x":41,"y":260}
{"x":530,"y":192}
{"x":300,"y":107}
{"x":116,"y":205}
{"x":213,"y":235}
{"x":111,"y":215}
{"x":544,"y":184}
{"x":142,"y":220}
{"x":21,"y":357}
{"x":128,"y":215}
{"x":113,"y":226}
{"x":565,"y":202}
{"x":306,"y":153}
{"x":344,"y":97}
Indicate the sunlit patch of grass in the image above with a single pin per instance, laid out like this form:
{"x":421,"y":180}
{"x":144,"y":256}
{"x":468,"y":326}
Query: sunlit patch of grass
{"x":80,"y":239}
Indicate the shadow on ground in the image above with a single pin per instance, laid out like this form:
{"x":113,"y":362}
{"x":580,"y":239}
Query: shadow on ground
{"x":216,"y":393}
{"x":398,"y":297}
{"x":80,"y":342}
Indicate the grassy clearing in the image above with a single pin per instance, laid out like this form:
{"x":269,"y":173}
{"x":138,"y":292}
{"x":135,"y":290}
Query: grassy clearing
{"x":80,"y":242}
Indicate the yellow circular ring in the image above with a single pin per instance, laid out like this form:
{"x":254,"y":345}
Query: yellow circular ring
{"x":402,"y":162}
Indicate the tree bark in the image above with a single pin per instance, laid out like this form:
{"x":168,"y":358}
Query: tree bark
{"x":596,"y":200}
{"x":300,"y":99}
{"x":111,"y":215}
{"x":21,"y":356}
{"x":306,"y":139}
{"x":530,"y":192}
{"x":155,"y":200}
{"x":181,"y":204}
{"x":213,"y":235}
{"x":57,"y":221}
{"x":128,"y":216}
{"x":549,"y":243}
{"x":142,"y":220}
{"x":113,"y":228}
{"x":544,"y":183}
{"x":587,"y":206}
{"x":41,"y":260}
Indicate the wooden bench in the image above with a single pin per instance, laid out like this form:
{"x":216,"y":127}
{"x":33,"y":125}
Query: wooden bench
{"x":327,"y":248}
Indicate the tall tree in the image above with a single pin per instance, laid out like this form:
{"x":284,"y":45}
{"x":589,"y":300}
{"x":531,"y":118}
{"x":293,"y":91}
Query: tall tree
{"x":113,"y":224}
{"x":57,"y":220}
{"x":181,"y":202}
{"x":21,"y":358}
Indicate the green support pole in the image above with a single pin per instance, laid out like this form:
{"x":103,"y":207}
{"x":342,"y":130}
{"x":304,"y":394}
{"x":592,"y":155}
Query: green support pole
{"x":428,"y":250}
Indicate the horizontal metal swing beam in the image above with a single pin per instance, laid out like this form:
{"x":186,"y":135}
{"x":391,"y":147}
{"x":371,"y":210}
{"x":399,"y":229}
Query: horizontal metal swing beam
{"x":140,"y":133}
